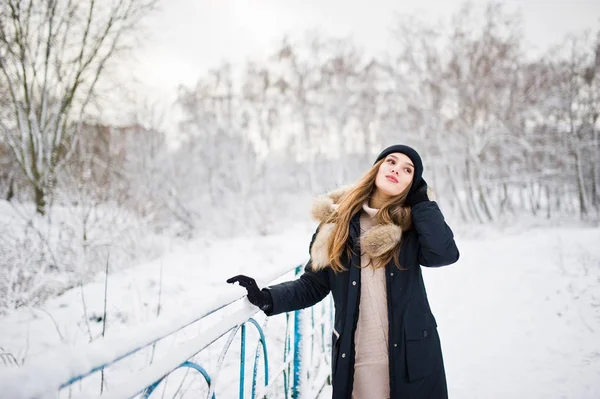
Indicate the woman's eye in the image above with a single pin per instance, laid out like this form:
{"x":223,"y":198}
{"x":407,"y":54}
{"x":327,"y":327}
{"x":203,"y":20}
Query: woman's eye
{"x":408,"y":170}
{"x":391,"y":161}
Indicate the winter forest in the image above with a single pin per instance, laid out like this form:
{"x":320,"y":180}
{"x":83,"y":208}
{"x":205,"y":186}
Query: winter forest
{"x":509,"y":138}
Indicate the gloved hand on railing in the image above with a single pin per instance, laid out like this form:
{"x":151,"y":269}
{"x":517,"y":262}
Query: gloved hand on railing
{"x":257,"y":297}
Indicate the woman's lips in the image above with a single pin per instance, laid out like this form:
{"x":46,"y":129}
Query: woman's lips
{"x":392,"y":179}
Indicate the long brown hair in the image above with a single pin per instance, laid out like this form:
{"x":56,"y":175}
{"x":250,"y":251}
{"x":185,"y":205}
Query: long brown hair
{"x":392,"y":211}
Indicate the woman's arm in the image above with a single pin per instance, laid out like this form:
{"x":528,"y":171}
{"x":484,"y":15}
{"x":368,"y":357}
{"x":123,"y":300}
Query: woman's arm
{"x":436,"y":239}
{"x":310,"y":288}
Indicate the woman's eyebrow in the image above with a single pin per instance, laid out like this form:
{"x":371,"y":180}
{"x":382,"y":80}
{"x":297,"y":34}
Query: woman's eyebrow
{"x":405,"y":163}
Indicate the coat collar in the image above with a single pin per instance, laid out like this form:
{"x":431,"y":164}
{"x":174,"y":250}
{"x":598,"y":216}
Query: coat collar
{"x":375,"y":242}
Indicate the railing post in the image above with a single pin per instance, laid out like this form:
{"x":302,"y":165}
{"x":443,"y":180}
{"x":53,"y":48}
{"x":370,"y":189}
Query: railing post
{"x":242,"y":361}
{"x":298,"y":369}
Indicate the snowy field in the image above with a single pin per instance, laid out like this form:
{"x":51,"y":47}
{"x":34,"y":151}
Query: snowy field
{"x":518,"y":315}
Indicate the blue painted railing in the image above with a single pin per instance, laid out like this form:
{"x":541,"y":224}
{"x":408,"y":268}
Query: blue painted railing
{"x":302,"y":373}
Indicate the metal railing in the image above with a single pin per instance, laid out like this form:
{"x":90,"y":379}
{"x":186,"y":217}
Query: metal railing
{"x":302,"y":373}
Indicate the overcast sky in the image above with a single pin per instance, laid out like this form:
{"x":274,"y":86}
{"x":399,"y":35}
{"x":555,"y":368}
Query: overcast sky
{"x":187,"y":37}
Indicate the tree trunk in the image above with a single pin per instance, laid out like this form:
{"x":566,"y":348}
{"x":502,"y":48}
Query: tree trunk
{"x":11,"y":190}
{"x":504,"y":200}
{"x":40,"y":201}
{"x":535,"y":198}
{"x":596,"y":170}
{"x":484,"y":200}
{"x":557,"y":196}
{"x":464,"y":214}
{"x":580,"y":184}
{"x":548,"y":203}
{"x":473,"y":204}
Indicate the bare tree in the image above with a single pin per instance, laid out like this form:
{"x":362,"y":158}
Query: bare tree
{"x":298,"y":75}
{"x":341,"y":78}
{"x":459,"y":97}
{"x":573,"y":106}
{"x":53,"y":53}
{"x":591,"y":76}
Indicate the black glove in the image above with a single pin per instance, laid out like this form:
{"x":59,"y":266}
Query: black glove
{"x":418,"y":195}
{"x":257,"y":297}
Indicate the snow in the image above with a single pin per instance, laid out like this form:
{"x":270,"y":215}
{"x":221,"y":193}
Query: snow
{"x":193,"y":283}
{"x":518,"y":315}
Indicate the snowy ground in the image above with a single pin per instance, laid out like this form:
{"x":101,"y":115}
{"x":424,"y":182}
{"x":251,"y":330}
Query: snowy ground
{"x":192,"y":275}
{"x":518,"y":315}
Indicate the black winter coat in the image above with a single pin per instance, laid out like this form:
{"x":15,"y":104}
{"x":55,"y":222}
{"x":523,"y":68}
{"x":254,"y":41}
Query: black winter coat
{"x":415,"y":356}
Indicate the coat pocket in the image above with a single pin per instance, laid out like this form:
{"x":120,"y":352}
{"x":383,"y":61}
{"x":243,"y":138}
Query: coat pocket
{"x":422,"y":348}
{"x":335,"y":345}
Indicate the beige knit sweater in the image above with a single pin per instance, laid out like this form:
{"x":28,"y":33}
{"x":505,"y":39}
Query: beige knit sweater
{"x":371,"y":374}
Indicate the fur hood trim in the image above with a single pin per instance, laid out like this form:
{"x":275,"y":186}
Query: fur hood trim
{"x":374,"y":242}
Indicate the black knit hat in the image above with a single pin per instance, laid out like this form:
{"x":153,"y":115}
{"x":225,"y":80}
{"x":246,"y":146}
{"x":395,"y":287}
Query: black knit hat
{"x":414,"y":157}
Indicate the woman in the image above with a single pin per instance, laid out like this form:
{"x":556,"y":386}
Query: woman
{"x":366,"y":251}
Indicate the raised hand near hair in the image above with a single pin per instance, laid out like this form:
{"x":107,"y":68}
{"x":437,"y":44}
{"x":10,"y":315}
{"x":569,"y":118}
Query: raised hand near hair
{"x":418,"y":195}
{"x":260,"y":298}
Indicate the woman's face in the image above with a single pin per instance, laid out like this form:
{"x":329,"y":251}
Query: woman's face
{"x":395,"y":174}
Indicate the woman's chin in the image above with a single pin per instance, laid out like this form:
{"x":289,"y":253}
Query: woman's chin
{"x":389,"y":191}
